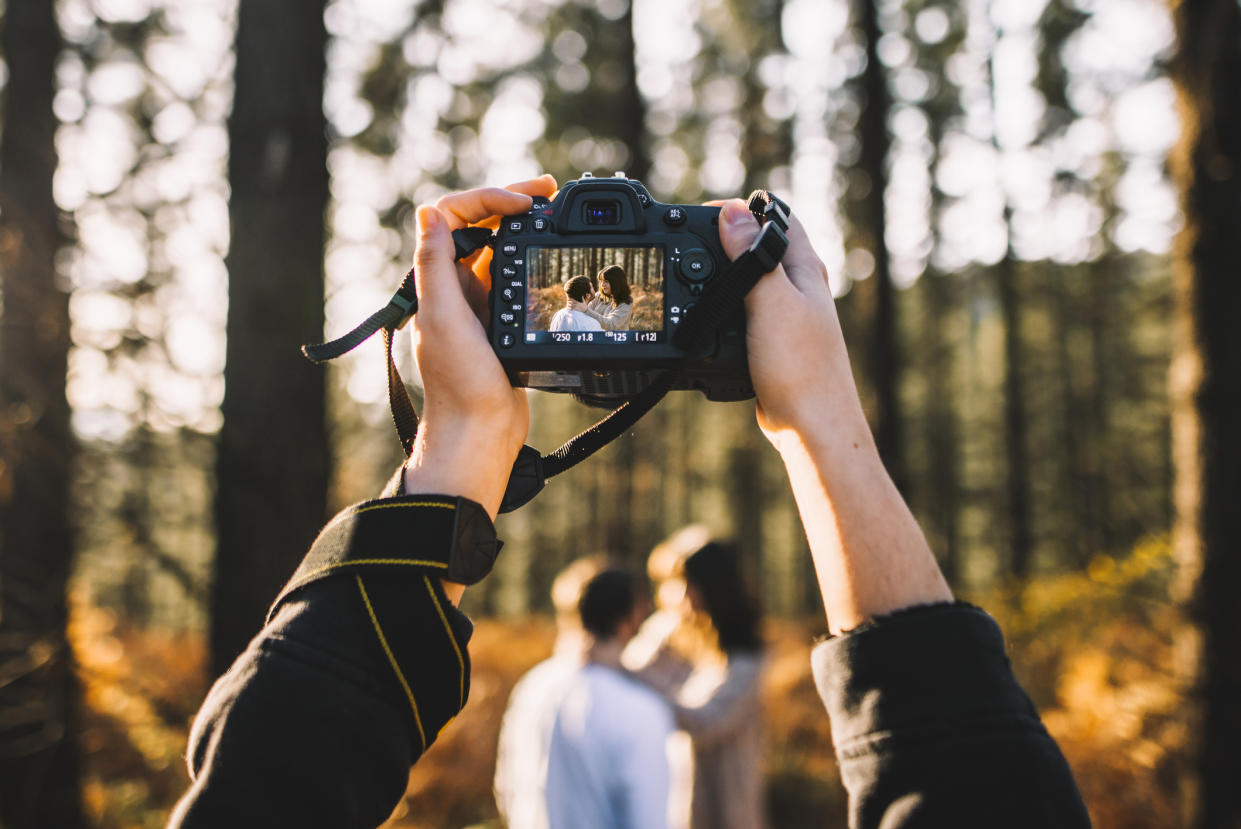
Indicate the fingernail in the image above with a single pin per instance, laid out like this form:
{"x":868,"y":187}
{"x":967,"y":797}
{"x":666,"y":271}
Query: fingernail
{"x":428,"y":218}
{"x":733,"y":214}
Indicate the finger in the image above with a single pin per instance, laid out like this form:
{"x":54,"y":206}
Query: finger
{"x":465,"y":208}
{"x":803,"y":266}
{"x":440,"y":295}
{"x":544,"y":185}
{"x":475,"y":291}
{"x":738,"y":228}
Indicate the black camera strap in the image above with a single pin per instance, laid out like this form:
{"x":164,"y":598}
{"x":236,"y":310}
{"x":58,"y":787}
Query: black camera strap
{"x":720,"y":300}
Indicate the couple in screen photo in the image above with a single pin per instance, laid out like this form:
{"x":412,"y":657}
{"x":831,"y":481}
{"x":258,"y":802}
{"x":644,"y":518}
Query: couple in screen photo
{"x":610,"y":308}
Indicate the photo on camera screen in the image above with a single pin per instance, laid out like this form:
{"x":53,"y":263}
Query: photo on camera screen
{"x":617,"y":293}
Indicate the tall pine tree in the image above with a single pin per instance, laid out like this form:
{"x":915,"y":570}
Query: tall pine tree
{"x":39,"y":765}
{"x":272,"y":471}
{"x":1206,"y":381}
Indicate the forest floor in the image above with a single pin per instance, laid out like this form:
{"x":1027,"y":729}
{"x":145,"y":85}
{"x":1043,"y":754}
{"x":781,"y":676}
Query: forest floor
{"x":1093,"y":649}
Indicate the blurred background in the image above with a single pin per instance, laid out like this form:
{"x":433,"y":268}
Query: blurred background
{"x":191,"y":189}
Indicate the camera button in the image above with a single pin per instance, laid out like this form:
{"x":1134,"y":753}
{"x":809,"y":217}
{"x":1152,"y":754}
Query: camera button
{"x":507,"y":340}
{"x":697,"y":265}
{"x":509,"y":249}
{"x":510,"y":294}
{"x":510,"y":318}
{"x":674,"y":216}
{"x":516,"y":226}
{"x":540,"y":224}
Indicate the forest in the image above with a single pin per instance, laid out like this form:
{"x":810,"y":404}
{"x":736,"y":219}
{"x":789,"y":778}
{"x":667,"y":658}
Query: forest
{"x":1030,"y":211}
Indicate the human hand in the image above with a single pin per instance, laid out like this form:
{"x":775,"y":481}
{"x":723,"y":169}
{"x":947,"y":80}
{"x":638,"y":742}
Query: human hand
{"x":797,"y":357}
{"x":870,"y":556}
{"x":474,"y":422}
{"x":574,"y":305}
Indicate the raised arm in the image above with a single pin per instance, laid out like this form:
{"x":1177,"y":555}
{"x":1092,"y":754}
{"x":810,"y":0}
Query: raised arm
{"x":929,"y":724}
{"x":870,"y":555}
{"x":363,"y":661}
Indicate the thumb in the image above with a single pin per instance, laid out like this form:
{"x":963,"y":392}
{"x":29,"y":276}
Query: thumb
{"x":435,"y":273}
{"x":738,"y":227}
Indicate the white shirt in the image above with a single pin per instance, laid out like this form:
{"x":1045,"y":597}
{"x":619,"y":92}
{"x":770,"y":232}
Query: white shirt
{"x":567,"y":320}
{"x":525,"y":733}
{"x":609,"y":764}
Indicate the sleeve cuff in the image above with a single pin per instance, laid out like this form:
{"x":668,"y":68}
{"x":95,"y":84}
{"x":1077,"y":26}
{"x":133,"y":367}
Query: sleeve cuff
{"x":924,"y":669}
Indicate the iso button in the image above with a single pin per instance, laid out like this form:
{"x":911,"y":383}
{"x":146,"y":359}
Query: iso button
{"x":697,"y":265}
{"x":510,"y":318}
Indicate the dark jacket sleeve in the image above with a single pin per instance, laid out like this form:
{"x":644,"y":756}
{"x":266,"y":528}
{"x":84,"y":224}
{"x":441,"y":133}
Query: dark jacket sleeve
{"x":318,"y":722}
{"x":931,"y":728}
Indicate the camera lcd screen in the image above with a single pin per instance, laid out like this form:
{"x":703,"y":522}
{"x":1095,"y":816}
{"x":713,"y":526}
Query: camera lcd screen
{"x":595,"y":294}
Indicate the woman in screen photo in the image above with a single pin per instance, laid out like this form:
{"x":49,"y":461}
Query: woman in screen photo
{"x":612,"y":307}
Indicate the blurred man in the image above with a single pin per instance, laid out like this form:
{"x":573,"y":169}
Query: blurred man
{"x":526,"y":730}
{"x":580,"y":289}
{"x":609,"y":762}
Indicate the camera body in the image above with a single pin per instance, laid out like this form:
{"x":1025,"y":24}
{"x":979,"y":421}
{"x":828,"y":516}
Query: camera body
{"x":667,"y":254}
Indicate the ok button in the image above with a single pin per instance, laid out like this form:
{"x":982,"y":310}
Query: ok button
{"x":697,"y":265}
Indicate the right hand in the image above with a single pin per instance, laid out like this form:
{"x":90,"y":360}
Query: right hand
{"x":797,"y":356}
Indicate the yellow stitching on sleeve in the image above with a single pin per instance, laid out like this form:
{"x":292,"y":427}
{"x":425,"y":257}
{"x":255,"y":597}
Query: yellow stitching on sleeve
{"x":341,"y":565}
{"x":404,"y":504}
{"x":392,"y":659}
{"x":452,"y":639}
{"x":406,"y":562}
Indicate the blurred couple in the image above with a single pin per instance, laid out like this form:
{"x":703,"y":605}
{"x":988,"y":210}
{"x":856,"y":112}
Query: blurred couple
{"x":640,"y":720}
{"x":611,"y":309}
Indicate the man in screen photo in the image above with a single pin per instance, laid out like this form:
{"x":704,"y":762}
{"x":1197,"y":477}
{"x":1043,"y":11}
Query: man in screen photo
{"x":580,"y":289}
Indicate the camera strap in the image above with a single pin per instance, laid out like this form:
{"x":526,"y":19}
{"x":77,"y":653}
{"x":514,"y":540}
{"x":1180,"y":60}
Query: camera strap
{"x":720,"y":300}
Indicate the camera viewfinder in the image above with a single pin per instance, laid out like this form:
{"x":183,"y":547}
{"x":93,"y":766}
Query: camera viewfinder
{"x":601,"y":212}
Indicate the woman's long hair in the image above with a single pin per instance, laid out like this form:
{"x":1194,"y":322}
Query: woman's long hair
{"x":615,"y":275}
{"x":715,"y":570}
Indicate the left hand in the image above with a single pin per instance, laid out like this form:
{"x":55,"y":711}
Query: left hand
{"x":474,"y":422}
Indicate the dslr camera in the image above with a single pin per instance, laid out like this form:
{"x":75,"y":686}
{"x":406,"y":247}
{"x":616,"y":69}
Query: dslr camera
{"x":606,"y":244}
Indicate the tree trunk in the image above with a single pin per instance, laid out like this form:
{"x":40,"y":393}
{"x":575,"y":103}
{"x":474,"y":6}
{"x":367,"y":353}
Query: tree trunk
{"x":1206,"y":386}
{"x":940,"y":424}
{"x":883,"y":358}
{"x":39,"y":765}
{"x":632,"y":123}
{"x":274,"y":456}
{"x":1017,"y":458}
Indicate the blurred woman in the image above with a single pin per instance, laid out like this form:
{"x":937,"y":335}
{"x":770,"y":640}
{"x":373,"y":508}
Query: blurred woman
{"x":716,"y":695}
{"x":612,"y":306}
